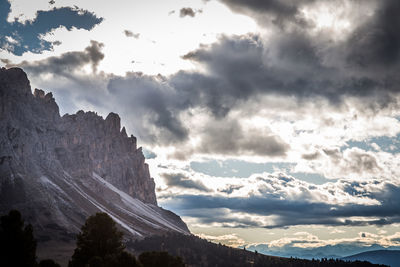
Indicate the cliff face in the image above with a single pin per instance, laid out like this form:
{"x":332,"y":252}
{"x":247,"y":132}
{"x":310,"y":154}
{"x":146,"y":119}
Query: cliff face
{"x":58,"y":170}
{"x":92,"y":144}
{"x":82,"y":143}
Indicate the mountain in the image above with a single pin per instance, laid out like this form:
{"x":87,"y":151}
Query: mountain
{"x":59,"y":170}
{"x":327,"y":251}
{"x":387,"y":257}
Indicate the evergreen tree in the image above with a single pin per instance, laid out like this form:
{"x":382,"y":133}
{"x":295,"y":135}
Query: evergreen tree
{"x":160,"y":258}
{"x":124,"y":259}
{"x":17,"y":244}
{"x":96,"y":262}
{"x":98,"y":240}
{"x":48,"y":263}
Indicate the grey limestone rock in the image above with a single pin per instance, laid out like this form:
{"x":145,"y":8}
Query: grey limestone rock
{"x":59,"y":170}
{"x":81,"y":143}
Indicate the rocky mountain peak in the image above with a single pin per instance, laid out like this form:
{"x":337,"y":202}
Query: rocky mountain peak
{"x":48,"y":103}
{"x":40,"y":94}
{"x":123,"y":132}
{"x":113,"y":122}
{"x":15,"y":79}
{"x":81,"y":143}
{"x":59,"y":170}
{"x":107,"y":151}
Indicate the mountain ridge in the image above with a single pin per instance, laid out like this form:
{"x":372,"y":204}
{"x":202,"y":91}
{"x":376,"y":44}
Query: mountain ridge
{"x":59,"y":170}
{"x":387,"y":257}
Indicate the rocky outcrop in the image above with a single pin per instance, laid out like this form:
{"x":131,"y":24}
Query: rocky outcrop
{"x":81,"y":143}
{"x":92,"y":144}
{"x":58,"y":170}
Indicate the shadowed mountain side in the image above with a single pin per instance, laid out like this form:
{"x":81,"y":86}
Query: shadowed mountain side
{"x":59,"y":170}
{"x":388,"y":257}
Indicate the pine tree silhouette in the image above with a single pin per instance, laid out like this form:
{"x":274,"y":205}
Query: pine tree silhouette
{"x":17,"y":244}
{"x":99,"y":243}
{"x":48,"y":263}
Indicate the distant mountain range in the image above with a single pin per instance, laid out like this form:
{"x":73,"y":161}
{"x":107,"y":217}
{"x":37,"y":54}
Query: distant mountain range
{"x":327,"y":251}
{"x":387,"y":257}
{"x":374,"y":254}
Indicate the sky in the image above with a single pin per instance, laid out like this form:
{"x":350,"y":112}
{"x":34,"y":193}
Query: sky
{"x":267,"y":124}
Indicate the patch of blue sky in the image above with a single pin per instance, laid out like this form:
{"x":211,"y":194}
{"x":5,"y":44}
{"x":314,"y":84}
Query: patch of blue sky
{"x":387,"y":144}
{"x":236,"y":168}
{"x":18,"y":38}
{"x":313,"y":178}
{"x":244,"y":169}
{"x":148,"y":154}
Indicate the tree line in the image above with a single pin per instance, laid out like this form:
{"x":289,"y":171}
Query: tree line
{"x":200,"y":252}
{"x":99,"y":244}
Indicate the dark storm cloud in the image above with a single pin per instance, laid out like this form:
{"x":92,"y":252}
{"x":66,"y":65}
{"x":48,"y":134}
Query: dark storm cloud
{"x":238,"y":70}
{"x":242,"y":67}
{"x":180,"y":180}
{"x":292,"y":211}
{"x":370,"y":55}
{"x":275,"y":11}
{"x":376,"y":44}
{"x":66,"y":64}
{"x":187,"y":11}
{"x":156,"y":107}
{"x":287,"y":8}
{"x":18,"y":38}
{"x":221,"y":216}
{"x":131,"y":34}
